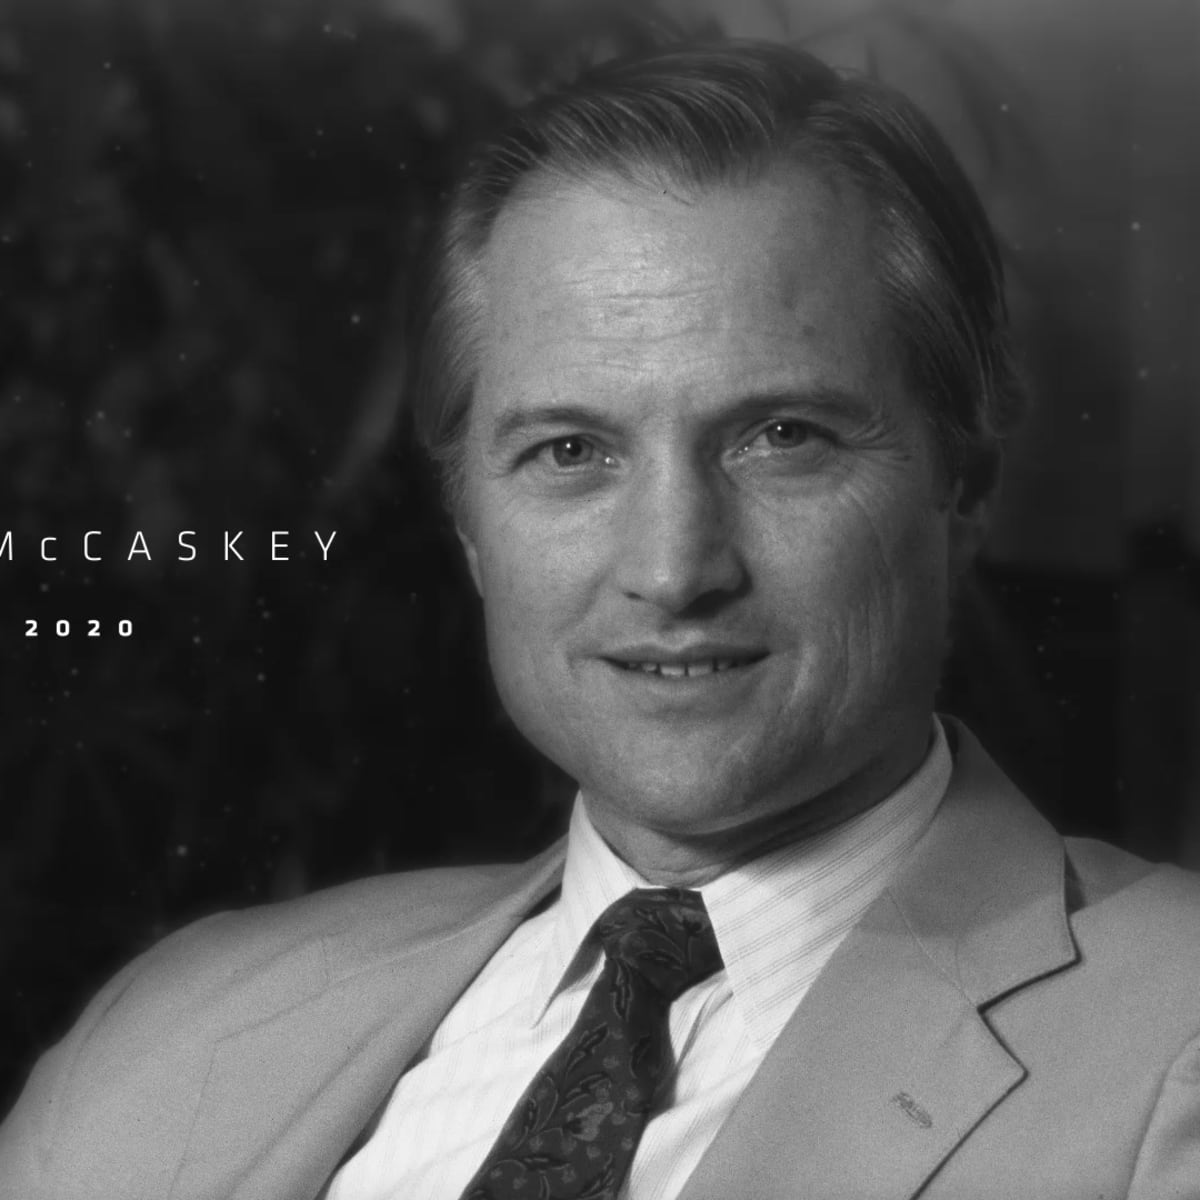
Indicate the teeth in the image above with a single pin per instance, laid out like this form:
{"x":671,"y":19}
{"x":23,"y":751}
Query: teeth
{"x":683,"y":670}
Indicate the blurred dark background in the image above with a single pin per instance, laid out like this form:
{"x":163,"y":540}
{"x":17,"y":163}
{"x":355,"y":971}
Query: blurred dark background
{"x":209,"y":213}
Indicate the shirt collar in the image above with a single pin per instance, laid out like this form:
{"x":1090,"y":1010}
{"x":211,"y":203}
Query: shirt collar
{"x":778,"y":919}
{"x":593,"y":878}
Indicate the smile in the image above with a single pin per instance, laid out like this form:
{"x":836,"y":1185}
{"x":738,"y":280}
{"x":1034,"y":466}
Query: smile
{"x":686,"y":670}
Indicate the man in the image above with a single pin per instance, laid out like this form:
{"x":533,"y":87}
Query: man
{"x":717,"y":374}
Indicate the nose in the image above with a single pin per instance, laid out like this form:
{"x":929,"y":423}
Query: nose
{"x":678,"y":540}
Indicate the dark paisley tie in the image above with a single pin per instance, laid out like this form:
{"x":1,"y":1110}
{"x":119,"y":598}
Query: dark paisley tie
{"x":573,"y":1133}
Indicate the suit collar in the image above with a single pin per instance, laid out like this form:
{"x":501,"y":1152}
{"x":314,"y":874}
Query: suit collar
{"x":984,"y":894}
{"x":888,"y":1063}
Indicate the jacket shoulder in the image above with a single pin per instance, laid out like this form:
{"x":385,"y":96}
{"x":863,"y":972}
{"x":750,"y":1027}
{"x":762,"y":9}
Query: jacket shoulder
{"x":220,"y":956}
{"x":1098,"y":873}
{"x":160,"y":1016}
{"x":1145,"y":912}
{"x":401,"y":908}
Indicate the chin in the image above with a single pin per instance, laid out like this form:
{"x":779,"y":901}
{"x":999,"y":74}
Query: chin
{"x":682,"y":802}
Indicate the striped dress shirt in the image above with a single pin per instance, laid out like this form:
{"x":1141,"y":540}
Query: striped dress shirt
{"x":777,"y":920}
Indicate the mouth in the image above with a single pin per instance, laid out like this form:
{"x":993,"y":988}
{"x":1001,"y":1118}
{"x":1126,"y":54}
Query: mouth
{"x":690,"y":668}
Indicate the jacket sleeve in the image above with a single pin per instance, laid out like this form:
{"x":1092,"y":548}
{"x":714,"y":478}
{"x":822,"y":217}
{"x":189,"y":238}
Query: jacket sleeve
{"x":1168,"y":1163}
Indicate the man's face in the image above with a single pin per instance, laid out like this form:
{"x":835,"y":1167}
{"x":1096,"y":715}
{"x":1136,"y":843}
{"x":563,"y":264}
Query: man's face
{"x":706,"y":517}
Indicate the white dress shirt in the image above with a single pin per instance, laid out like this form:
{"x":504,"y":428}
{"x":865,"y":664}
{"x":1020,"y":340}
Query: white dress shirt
{"x":777,"y":919}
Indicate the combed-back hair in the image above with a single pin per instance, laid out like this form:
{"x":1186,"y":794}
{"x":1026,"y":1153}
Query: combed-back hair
{"x":721,"y":115}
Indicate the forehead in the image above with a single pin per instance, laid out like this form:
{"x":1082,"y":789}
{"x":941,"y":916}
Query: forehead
{"x":624,"y":290}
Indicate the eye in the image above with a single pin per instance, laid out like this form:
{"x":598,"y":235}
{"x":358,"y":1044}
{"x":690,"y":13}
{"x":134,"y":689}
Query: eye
{"x":787,"y":435}
{"x":568,"y":452}
{"x":783,"y":433}
{"x":569,"y":459}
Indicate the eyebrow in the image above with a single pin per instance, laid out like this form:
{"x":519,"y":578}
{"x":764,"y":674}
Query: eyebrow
{"x":834,"y":403}
{"x":521,"y":420}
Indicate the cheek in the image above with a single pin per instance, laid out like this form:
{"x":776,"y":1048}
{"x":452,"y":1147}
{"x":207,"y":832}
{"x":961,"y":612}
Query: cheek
{"x":872,"y":586}
{"x":534,"y":587}
{"x":551,"y":557}
{"x":901,"y":622}
{"x":513,"y":599}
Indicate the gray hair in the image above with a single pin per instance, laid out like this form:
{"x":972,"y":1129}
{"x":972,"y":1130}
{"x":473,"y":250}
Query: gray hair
{"x":723,"y":114}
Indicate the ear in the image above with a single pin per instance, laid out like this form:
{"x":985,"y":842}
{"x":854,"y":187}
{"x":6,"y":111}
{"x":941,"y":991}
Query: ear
{"x":472,"y":555}
{"x":970,"y":509}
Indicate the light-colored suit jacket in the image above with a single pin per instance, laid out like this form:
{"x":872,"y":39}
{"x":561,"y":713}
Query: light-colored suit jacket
{"x":1014,"y":1017}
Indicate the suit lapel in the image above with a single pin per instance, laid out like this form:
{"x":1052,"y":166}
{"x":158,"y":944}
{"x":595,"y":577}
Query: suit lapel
{"x":887,"y":1064}
{"x":285,"y":1098}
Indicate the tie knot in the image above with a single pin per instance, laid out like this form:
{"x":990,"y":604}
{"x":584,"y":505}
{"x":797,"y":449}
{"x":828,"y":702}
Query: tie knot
{"x":663,"y":933}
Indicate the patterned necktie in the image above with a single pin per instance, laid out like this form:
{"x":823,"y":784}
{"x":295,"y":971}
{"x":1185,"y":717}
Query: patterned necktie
{"x":573,"y":1133}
